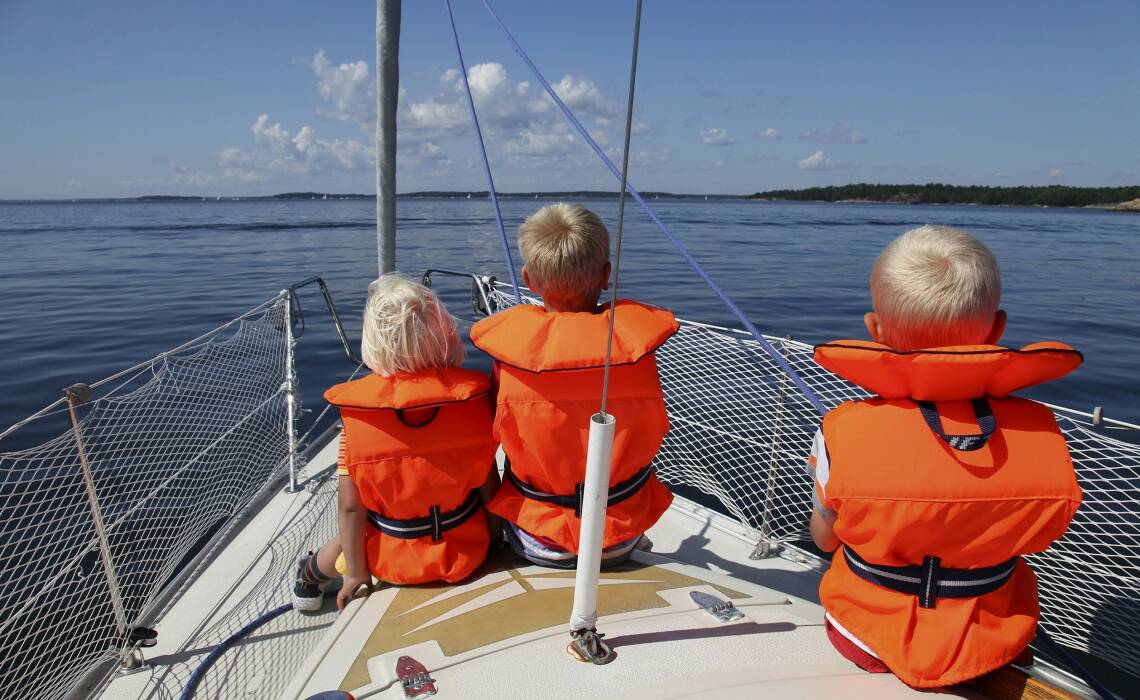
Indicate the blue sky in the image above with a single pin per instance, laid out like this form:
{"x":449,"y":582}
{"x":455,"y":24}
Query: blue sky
{"x":127,"y":98}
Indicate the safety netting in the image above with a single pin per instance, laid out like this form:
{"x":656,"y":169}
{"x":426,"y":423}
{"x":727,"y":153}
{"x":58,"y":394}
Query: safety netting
{"x":177,"y":447}
{"x":740,"y":433}
{"x":265,"y":662}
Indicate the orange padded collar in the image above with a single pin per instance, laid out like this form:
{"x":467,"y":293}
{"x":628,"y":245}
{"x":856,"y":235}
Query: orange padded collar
{"x":946,"y":374}
{"x":529,"y":338}
{"x":430,"y":387}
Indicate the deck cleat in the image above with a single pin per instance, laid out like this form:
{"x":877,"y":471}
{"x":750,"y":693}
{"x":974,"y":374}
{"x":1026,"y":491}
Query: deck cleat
{"x":587,"y":645}
{"x":415,"y":679}
{"x":722,"y":610}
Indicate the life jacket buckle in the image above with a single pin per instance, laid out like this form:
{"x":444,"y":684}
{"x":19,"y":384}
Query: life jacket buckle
{"x":579,"y":495}
{"x":928,"y":587}
{"x":963,"y":443}
{"x":436,"y":525}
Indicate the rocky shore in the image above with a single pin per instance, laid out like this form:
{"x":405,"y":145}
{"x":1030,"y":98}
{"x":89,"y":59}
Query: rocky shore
{"x":1132,"y":205}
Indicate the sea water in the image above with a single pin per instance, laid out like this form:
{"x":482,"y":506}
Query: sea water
{"x":90,"y":288}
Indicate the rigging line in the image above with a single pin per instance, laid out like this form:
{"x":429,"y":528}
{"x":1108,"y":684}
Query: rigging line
{"x":621,"y":205}
{"x":778,"y":359}
{"x":483,"y":153}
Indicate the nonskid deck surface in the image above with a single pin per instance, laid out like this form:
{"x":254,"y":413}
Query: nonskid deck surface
{"x":503,"y":635}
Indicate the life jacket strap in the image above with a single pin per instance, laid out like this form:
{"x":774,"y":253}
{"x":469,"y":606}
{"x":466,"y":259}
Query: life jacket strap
{"x":931,"y":580}
{"x":963,"y":443}
{"x":618,"y":492}
{"x":435,"y":523}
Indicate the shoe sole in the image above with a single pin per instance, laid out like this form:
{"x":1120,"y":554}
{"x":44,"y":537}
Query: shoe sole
{"x":307,"y":604}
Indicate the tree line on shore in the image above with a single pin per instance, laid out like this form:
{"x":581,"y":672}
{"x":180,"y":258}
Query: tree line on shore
{"x":938,"y":193}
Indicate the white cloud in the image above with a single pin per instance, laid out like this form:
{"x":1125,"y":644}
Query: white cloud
{"x":716,"y":137}
{"x":771,"y":134}
{"x":816,"y":161}
{"x":430,"y":151}
{"x":840,"y":133}
{"x":653,"y":156}
{"x":582,"y":96}
{"x":347,"y":89}
{"x":518,"y":120}
{"x":1055,"y":173}
{"x":537,"y":143}
{"x":281,"y":153}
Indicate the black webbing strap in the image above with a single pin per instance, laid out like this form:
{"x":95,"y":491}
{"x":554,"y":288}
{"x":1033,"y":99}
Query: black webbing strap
{"x":930,"y":581}
{"x":963,"y":443}
{"x":435,"y":523}
{"x":618,"y":492}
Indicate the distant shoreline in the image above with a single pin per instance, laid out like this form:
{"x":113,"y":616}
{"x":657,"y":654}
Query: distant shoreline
{"x":1111,"y":198}
{"x":1107,"y":198}
{"x":336,"y":196}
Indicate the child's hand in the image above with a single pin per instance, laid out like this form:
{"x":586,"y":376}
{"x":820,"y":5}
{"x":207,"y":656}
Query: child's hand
{"x":349,"y":588}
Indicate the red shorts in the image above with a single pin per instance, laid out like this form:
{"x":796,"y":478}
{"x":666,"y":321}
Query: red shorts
{"x":851,"y":651}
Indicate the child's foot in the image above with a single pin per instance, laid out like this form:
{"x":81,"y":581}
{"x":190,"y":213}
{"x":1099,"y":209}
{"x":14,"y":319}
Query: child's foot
{"x":309,"y":586}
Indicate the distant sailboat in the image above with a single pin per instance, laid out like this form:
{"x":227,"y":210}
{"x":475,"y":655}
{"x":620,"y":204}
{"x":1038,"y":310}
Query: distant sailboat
{"x":326,"y":197}
{"x":468,"y":195}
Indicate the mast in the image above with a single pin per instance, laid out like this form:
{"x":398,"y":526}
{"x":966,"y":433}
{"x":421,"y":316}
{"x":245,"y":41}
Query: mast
{"x":387,"y":94}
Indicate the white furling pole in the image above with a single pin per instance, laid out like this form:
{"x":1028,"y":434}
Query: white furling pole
{"x":387,"y":94}
{"x":586,"y":643}
{"x":595,"y":494}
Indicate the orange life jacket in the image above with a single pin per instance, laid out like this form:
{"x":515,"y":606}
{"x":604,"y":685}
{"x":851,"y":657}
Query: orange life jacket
{"x":550,"y":383}
{"x":412,"y":473}
{"x":905,"y":497}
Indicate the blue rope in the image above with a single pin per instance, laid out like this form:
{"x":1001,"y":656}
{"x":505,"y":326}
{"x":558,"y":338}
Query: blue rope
{"x":483,"y":153}
{"x":200,"y":672}
{"x":776,"y":357}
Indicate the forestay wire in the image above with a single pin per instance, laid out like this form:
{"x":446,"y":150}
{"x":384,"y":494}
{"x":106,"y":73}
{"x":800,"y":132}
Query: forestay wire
{"x":736,"y":311}
{"x":621,"y":206}
{"x":483,"y":154}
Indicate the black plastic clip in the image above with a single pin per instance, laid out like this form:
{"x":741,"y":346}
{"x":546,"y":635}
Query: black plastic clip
{"x":436,"y":525}
{"x":928,"y":588}
{"x":579,"y":494}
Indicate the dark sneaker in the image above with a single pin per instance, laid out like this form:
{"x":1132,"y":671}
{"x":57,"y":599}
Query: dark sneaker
{"x":308,"y":596}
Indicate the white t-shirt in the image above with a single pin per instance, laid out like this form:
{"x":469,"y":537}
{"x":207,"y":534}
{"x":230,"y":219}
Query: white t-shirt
{"x":819,"y":467}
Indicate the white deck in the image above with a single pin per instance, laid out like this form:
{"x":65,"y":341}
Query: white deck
{"x":671,"y":649}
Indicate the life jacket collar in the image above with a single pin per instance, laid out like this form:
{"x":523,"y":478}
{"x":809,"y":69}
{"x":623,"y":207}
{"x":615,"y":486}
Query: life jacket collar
{"x":528,"y":337}
{"x":422,"y":389}
{"x":954,"y":373}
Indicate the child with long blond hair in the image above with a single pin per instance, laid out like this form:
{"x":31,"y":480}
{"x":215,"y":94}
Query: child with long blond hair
{"x":416,"y":455}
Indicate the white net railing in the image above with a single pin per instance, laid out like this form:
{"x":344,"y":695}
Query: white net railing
{"x":176,"y":447}
{"x":741,"y":431}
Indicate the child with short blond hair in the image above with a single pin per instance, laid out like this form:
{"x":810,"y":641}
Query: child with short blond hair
{"x":416,"y":454}
{"x":937,"y":485}
{"x":549,"y":364}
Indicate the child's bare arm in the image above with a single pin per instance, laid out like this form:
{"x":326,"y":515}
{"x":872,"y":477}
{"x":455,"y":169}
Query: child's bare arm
{"x":823,"y":531}
{"x":487,"y":492}
{"x":351,"y":519}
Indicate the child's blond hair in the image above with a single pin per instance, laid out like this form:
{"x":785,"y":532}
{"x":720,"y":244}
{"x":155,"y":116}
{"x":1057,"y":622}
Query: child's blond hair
{"x":564,"y":247}
{"x":407,"y":328}
{"x":935,"y":286}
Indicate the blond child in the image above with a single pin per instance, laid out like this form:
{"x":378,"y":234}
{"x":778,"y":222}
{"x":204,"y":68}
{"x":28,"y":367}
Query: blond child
{"x":936,"y":486}
{"x":549,"y":365}
{"x":416,"y":455}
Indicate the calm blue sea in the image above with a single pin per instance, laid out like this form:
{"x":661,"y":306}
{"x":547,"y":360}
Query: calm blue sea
{"x":90,"y":288}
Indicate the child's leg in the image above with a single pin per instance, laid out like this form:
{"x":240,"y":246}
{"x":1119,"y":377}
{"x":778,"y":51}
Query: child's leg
{"x":314,"y":572}
{"x":326,"y":558}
